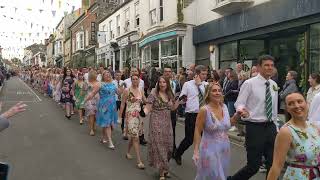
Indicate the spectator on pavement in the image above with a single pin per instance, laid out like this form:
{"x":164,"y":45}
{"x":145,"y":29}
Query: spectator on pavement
{"x":314,"y":80}
{"x":314,"y":110}
{"x":289,"y":86}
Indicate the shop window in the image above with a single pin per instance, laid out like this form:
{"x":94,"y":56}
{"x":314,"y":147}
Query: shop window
{"x":169,"y":47}
{"x":228,"y":55}
{"x":314,"y":48}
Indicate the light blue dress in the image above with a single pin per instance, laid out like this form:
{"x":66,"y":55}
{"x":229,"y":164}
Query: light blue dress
{"x":214,"y":152}
{"x":107,"y":108}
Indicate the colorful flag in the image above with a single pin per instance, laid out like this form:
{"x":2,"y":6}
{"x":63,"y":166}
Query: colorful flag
{"x":53,"y":13}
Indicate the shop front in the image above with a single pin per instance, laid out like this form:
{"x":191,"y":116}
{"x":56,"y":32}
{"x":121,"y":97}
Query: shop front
{"x":129,"y":51}
{"x":292,"y":38}
{"x":163,"y":49}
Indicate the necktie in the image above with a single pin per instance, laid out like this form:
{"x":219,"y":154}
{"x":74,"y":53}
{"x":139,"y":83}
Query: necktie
{"x":268,"y":102}
{"x":200,"y":96}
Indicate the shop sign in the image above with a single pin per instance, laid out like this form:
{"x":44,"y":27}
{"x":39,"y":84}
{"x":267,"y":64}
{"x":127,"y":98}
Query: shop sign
{"x":124,"y":42}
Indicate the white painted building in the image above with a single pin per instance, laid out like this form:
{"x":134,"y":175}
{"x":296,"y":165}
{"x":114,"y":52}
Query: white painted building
{"x":118,"y":36}
{"x":58,"y":44}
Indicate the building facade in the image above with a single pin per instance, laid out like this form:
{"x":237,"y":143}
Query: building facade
{"x":118,"y":36}
{"x":58,"y":44}
{"x":289,"y":30}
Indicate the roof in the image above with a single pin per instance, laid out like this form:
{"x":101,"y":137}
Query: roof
{"x":82,"y":16}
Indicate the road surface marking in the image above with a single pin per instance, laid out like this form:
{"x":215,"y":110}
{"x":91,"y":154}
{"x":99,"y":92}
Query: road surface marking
{"x":31,"y":90}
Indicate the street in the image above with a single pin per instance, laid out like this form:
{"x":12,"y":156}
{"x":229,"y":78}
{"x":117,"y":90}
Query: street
{"x":41,"y":144}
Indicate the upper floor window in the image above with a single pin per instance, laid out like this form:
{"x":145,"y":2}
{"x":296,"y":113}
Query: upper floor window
{"x":118,"y":25}
{"x":87,"y":38}
{"x":111,"y":35}
{"x":161,"y":10}
{"x":127,"y":20}
{"x":80,"y":40}
{"x":153,"y":17}
{"x":137,"y":15}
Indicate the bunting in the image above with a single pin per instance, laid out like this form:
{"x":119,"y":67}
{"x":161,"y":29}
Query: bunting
{"x":53,"y":13}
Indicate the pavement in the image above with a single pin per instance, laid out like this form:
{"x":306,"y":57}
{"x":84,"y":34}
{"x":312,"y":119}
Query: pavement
{"x":41,"y":144}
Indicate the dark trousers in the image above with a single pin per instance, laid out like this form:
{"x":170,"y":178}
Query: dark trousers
{"x":123,"y":114}
{"x":260,"y":139}
{"x":189,"y":126}
{"x":174,"y":123}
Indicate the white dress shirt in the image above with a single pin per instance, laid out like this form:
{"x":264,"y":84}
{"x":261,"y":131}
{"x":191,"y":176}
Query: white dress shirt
{"x":252,"y":96}
{"x":314,"y":110}
{"x":311,"y":93}
{"x":86,"y":77}
{"x":116,"y":83}
{"x":190,"y":89}
{"x":99,"y":77}
{"x":129,"y":83}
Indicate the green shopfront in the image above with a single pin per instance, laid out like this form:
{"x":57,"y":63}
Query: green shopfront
{"x":162,"y":49}
{"x":291,"y":35}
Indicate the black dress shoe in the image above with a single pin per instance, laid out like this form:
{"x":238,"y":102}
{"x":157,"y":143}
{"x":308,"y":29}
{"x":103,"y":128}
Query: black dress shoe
{"x":142,"y":140}
{"x":178,"y":160}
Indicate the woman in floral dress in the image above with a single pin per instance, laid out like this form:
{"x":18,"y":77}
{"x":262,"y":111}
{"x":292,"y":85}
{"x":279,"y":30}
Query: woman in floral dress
{"x":133,"y":96}
{"x":67,"y":92}
{"x":80,"y":95}
{"x":298,"y":143}
{"x":91,"y":104}
{"x":106,"y":116}
{"x":160,"y":103}
{"x":212,"y":149}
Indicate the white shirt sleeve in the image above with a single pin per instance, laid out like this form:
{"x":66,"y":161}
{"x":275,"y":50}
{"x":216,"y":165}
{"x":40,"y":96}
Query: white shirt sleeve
{"x":184,"y":90}
{"x":243,"y":96}
{"x":314,"y":110}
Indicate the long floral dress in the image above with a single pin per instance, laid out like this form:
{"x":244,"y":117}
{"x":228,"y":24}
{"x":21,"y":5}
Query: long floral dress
{"x":160,"y":144}
{"x":134,"y":121}
{"x":107,"y":107}
{"x":304,"y":152}
{"x":66,"y":91}
{"x":91,"y":105}
{"x":80,"y":94}
{"x":214,"y":151}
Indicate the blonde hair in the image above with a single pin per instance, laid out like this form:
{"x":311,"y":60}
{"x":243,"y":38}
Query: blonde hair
{"x":92,"y":76}
{"x":208,"y":90}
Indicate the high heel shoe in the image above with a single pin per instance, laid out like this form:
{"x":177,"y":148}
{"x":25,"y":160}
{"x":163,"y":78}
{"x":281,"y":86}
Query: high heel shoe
{"x":128,"y":156}
{"x":81,"y":121}
{"x":92,"y":133}
{"x":167,"y":175}
{"x":141,"y":165}
{"x":102,"y":141}
{"x":111,"y":146}
{"x":68,"y":117}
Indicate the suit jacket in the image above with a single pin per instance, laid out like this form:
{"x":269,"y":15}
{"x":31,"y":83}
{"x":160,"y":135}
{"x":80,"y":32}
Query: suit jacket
{"x":288,"y":87}
{"x":231,"y":91}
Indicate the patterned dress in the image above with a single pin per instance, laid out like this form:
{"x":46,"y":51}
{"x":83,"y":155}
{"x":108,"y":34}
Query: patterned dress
{"x":134,"y":121}
{"x":214,"y":151}
{"x":304,"y":151}
{"x":79,"y":94}
{"x":160,"y":144}
{"x":66,"y":95}
{"x":107,"y":107}
{"x":91,"y":105}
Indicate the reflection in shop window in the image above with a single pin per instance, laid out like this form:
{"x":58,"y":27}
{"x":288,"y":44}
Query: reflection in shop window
{"x":314,"y":48}
{"x":228,"y":51}
{"x":169,"y":47}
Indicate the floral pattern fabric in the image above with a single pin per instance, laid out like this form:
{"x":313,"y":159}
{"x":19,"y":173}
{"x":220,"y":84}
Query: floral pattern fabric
{"x":160,"y":144}
{"x":66,"y":95}
{"x":214,"y":152}
{"x":107,"y":108}
{"x":91,"y":105}
{"x":304,"y":151}
{"x":80,"y":94}
{"x":134,"y":122}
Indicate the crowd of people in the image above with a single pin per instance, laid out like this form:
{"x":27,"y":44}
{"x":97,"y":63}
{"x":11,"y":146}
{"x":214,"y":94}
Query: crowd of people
{"x":212,"y":102}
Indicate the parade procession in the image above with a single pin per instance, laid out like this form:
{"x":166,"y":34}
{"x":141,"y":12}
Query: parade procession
{"x":160,"y":89}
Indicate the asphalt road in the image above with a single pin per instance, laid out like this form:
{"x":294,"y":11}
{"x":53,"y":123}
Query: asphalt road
{"x":41,"y":144}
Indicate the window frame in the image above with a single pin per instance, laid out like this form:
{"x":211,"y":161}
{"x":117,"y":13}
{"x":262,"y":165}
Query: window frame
{"x":155,"y":18}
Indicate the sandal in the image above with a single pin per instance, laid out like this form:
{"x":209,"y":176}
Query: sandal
{"x":128,"y":156}
{"x":91,"y":133}
{"x":141,"y":166}
{"x":167,"y":175}
{"x":102,"y":141}
{"x":162,"y":178}
{"x":81,"y":121}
